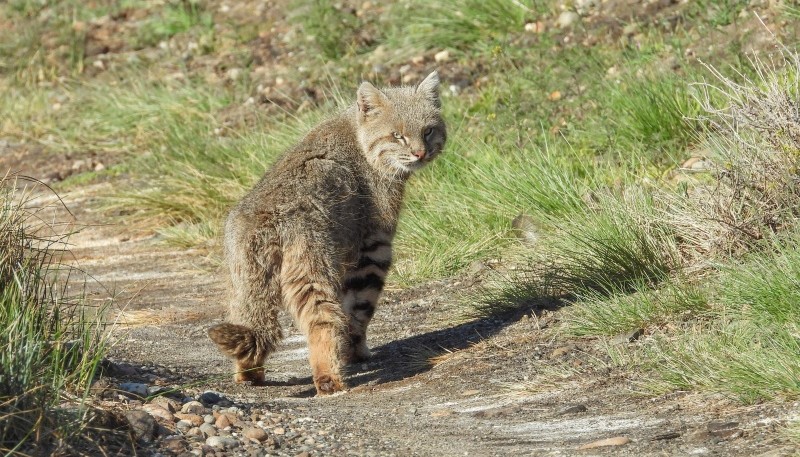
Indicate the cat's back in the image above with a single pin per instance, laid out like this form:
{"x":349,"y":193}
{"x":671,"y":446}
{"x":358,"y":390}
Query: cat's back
{"x":323,"y":168}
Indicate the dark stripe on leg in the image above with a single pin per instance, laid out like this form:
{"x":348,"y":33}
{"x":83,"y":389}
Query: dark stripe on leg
{"x":365,"y":261}
{"x":374,"y":245}
{"x":371,"y":281}
{"x":366,"y":307}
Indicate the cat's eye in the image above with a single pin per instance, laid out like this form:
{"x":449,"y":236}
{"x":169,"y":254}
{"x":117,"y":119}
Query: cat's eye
{"x":428,"y":132}
{"x":397,"y":136}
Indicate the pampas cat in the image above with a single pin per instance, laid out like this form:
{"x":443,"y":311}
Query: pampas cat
{"x":314,"y":236}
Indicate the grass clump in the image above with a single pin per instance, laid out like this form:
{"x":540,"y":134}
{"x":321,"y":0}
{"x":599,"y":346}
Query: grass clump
{"x":177,"y":16}
{"x":331,"y":27}
{"x":644,"y":309}
{"x":459,"y":24}
{"x":50,"y":344}
{"x":657,"y":113}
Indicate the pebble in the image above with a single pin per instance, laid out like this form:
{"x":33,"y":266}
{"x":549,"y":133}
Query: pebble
{"x":572,"y":409}
{"x":194,"y":419}
{"x":222,"y":441}
{"x":130,"y":387}
{"x":223,"y":421}
{"x":159,"y":412}
{"x":208,"y":430}
{"x":183,"y":425}
{"x":278,"y":430}
{"x":442,"y":56}
{"x":142,"y":425}
{"x":209,"y":419}
{"x":615,"y":441}
{"x":724,"y":430}
{"x":193,"y":407}
{"x":255,"y":433}
{"x":566,"y":19}
{"x":210,"y":397}
{"x":175,"y":444}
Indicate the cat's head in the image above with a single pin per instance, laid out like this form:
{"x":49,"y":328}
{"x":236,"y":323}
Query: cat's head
{"x":400,"y":128}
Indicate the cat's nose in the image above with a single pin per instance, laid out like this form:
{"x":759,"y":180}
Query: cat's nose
{"x":419,"y":154}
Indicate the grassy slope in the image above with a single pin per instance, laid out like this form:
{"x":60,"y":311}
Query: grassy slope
{"x":580,"y":129}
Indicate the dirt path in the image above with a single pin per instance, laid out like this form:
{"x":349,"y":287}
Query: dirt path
{"x":433,"y":387}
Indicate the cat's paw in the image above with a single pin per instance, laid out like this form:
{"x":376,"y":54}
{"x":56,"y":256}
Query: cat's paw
{"x":327,"y":384}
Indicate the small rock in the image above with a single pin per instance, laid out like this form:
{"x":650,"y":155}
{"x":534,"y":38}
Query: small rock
{"x":233,"y":74}
{"x":208,"y":430}
{"x":209,"y":419}
{"x":560,"y":352}
{"x":627,"y":337}
{"x":222,"y":441}
{"x":210,"y":397}
{"x":159,"y":412}
{"x":471,"y":392}
{"x":255,"y":433}
{"x":142,"y":425}
{"x":535,"y":27}
{"x":169,"y":404}
{"x":99,"y":64}
{"x":223,"y":421}
{"x":195,"y":431}
{"x":554,"y":96}
{"x":573,"y":409}
{"x":615,"y":441}
{"x":442,"y":413}
{"x":442,"y":56}
{"x":566,"y":19}
{"x":183,"y":425}
{"x":77,"y":165}
{"x":193,"y":407}
{"x":278,"y":430}
{"x":724,"y":430}
{"x":194,"y":419}
{"x":175,"y":444}
{"x":418,"y":60}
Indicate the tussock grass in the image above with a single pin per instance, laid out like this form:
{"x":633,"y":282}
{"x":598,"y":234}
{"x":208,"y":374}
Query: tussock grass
{"x":458,"y":24}
{"x":51,"y":345}
{"x":616,"y":244}
{"x":751,"y":362}
{"x":644,"y":308}
{"x":330,"y":27}
{"x":657,"y":113}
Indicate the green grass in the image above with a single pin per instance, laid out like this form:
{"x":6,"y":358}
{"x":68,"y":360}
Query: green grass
{"x":176,"y":17}
{"x":330,"y":27}
{"x":51,"y":344}
{"x":459,"y":24}
{"x":645,"y":309}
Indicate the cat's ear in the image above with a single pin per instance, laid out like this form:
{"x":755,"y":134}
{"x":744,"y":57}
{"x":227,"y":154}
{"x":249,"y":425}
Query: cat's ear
{"x":370,"y":99}
{"x":430,"y":88}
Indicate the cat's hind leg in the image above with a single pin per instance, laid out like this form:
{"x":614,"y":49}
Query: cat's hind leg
{"x":310,"y":285}
{"x":361,"y":289}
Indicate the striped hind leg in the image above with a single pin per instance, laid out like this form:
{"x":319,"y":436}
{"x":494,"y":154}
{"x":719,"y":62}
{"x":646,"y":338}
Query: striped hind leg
{"x":309,"y":283}
{"x":360,"y":291}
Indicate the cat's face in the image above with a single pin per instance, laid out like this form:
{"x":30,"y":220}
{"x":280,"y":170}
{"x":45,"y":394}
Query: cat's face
{"x":401,"y":128}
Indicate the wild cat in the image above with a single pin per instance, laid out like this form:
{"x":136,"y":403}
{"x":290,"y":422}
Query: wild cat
{"x":314,"y":236}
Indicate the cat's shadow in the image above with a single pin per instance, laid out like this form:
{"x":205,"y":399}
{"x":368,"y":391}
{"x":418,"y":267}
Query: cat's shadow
{"x":408,"y":357}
